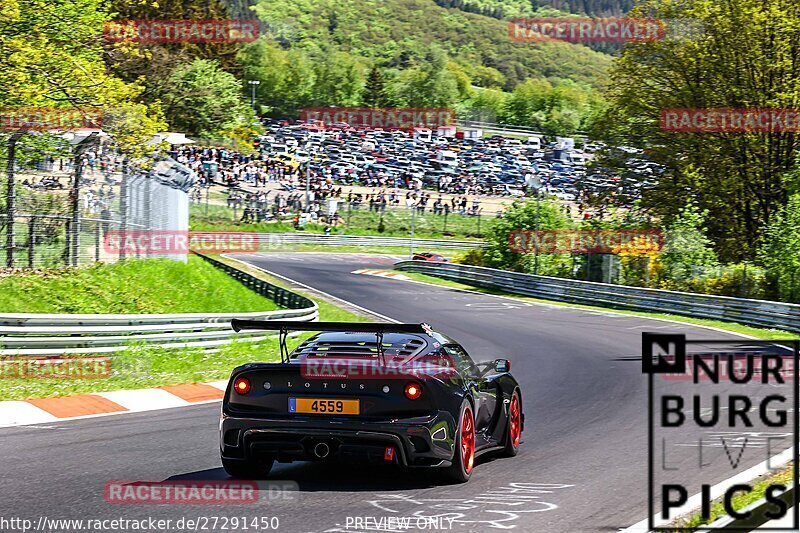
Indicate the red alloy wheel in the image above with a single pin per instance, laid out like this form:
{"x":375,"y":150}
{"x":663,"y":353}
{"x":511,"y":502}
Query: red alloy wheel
{"x":514,"y":420}
{"x":467,"y":440}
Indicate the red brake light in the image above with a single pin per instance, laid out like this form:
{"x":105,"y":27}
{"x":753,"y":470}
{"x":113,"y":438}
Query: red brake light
{"x":241,"y":385}
{"x":413,"y":390}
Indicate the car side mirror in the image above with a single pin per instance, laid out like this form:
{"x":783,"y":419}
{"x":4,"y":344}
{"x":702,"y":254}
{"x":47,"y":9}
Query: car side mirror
{"x":502,"y":366}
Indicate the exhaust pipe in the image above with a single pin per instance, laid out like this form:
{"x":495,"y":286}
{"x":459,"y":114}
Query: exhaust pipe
{"x":321,"y":450}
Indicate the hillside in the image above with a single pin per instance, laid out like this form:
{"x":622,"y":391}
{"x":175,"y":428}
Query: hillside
{"x":504,"y":9}
{"x":598,"y":8}
{"x":392,"y":33}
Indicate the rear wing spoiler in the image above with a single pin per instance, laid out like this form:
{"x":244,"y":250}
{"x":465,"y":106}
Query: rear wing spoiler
{"x":285,"y":326}
{"x":355,"y":327}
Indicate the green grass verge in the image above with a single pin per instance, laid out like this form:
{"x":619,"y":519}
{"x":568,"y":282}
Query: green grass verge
{"x":134,"y":286}
{"x":396,"y":223}
{"x":740,"y":500}
{"x":142,"y":366}
{"x":759,"y":333}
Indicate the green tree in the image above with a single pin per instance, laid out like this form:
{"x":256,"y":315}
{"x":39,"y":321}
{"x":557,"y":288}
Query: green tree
{"x":520,"y":216}
{"x":686,"y":245}
{"x":338,"y":80}
{"x":430,"y":83}
{"x":287,"y":77}
{"x":747,"y":56}
{"x":375,"y":94}
{"x":51,"y":55}
{"x":780,"y":252}
{"x":204,"y":100}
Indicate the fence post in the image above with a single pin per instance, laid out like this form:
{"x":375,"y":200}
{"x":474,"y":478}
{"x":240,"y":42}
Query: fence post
{"x":75,"y":197}
{"x":147,"y":200}
{"x":31,"y":240}
{"x":11,"y":199}
{"x":73,"y":248}
{"x":67,"y":235}
{"x":123,"y":208}
{"x":98,"y":234}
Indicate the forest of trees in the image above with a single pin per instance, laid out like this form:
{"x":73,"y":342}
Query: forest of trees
{"x":425,"y":56}
{"x":747,"y":57}
{"x":504,"y":9}
{"x":312,"y":52}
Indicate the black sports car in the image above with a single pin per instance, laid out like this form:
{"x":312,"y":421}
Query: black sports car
{"x":368,"y":392}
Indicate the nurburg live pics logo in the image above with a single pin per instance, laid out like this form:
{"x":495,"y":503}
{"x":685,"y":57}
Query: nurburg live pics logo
{"x":723,"y":406}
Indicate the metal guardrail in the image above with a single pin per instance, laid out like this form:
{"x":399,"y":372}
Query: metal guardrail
{"x":50,"y":334}
{"x":758,"y":313}
{"x":268,"y":241}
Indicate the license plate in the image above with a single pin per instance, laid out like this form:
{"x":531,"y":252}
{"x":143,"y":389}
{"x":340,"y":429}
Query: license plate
{"x":323,"y":406}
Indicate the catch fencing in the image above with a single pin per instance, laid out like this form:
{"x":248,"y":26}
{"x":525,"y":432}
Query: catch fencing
{"x":462,"y":221}
{"x":27,"y":334}
{"x":757,"y":313}
{"x":60,"y":204}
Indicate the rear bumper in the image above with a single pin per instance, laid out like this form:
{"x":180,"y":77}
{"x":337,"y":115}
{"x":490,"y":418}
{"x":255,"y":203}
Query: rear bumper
{"x":419,"y":441}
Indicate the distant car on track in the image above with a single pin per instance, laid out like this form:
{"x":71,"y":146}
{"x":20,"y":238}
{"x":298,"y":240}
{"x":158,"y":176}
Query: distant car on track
{"x":384,"y":393}
{"x":429,"y":256}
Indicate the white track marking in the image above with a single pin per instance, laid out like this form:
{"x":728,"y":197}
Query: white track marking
{"x":221,"y":384}
{"x":144,"y":399}
{"x":15,"y":413}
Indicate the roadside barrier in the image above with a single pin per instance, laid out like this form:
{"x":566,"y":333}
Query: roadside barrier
{"x":28,"y":334}
{"x":757,"y":313}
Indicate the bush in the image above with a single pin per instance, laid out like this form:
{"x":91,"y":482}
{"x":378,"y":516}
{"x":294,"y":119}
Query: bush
{"x":473,"y":257}
{"x":521,"y":215}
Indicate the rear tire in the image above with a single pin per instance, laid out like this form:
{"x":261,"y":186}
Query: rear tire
{"x":464,"y":450}
{"x":514,"y":429}
{"x":247,"y":469}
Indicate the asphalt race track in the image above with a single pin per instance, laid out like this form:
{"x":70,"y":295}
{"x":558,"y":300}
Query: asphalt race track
{"x":582,"y":464}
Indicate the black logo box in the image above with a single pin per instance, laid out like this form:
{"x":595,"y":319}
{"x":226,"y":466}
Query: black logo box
{"x":666,"y":354}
